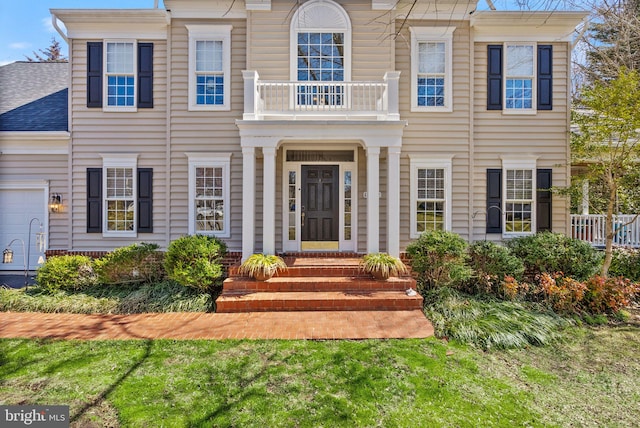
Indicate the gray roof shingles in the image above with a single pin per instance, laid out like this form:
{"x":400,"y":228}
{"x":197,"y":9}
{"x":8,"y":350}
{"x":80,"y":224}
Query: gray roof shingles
{"x":33,"y":96}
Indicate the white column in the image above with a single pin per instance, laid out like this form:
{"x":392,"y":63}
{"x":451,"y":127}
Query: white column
{"x":585,"y":197}
{"x":248,"y":200}
{"x":373,"y":199}
{"x":250,"y":94}
{"x":269,"y":201}
{"x":393,"y":201}
{"x":392,"y":79}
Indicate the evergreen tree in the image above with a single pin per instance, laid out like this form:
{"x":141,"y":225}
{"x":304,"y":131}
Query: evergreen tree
{"x":52,"y":54}
{"x":613,"y":40}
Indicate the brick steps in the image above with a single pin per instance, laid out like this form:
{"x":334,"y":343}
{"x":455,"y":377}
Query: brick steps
{"x":317,"y":284}
{"x":318,"y":301}
{"x":302,"y":284}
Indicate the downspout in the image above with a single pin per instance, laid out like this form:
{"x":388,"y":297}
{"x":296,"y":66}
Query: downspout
{"x":54,"y":22}
{"x":472,"y":163}
{"x":70,"y":201}
{"x":168,"y":130}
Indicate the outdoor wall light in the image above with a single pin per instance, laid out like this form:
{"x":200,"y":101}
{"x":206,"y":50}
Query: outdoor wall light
{"x":55,"y":202}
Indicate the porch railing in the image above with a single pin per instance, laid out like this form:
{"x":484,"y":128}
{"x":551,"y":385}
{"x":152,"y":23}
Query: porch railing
{"x":591,"y":228}
{"x":266,"y":99}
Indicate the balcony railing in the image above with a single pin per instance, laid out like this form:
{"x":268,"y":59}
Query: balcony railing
{"x":591,"y":228}
{"x":308,"y":100}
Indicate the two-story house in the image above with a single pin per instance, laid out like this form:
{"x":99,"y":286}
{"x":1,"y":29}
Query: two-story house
{"x":318,"y":125}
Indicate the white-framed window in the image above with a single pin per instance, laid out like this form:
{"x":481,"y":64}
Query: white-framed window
{"x":520,"y":79}
{"x":119,"y":193}
{"x":120,"y":85}
{"x":430,"y":194}
{"x":320,"y":53}
{"x":209,"y":204}
{"x":209,"y":67}
{"x":431,"y":69}
{"x":519,"y":196}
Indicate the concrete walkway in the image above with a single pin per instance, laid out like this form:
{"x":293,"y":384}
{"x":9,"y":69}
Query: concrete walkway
{"x":189,"y":325}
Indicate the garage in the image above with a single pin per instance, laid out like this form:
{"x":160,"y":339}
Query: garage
{"x":19,"y":205}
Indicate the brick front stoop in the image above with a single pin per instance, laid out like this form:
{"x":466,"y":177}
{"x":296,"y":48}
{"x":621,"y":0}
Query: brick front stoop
{"x":317,"y":284}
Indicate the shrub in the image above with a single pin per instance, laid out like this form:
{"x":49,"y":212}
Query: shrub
{"x":439,"y":258}
{"x":195,"y":261}
{"x":492,"y":265}
{"x":488,"y":323}
{"x":136,"y":263}
{"x":66,"y":273}
{"x":554,"y":252}
{"x":563,"y":294}
{"x":609,"y":295}
{"x":626,"y":263}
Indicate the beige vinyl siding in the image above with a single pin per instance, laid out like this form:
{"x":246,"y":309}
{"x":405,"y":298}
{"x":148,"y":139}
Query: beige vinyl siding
{"x":95,"y":132}
{"x":435,"y":133}
{"x":42,"y":167}
{"x":204,"y":131}
{"x":544,"y":135}
{"x":372,"y":41}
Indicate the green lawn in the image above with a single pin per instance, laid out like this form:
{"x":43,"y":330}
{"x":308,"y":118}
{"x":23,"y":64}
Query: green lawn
{"x":588,"y":380}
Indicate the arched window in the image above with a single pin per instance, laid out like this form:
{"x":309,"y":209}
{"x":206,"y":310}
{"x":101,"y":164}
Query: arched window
{"x":320,"y":51}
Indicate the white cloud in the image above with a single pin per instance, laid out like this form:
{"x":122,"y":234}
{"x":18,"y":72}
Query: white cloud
{"x":5,"y":63}
{"x":48,"y":26}
{"x":20,"y":45}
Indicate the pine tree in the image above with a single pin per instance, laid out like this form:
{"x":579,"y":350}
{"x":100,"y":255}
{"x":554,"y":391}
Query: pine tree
{"x":614,"y":40}
{"x":52,"y":54}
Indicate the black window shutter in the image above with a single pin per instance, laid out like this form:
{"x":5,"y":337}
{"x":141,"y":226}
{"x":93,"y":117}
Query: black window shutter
{"x":494,"y":77}
{"x":94,"y":74}
{"x":145,"y":75}
{"x":94,"y":200}
{"x":145,"y":200}
{"x":494,"y":201}
{"x":543,"y":200}
{"x":545,"y":77}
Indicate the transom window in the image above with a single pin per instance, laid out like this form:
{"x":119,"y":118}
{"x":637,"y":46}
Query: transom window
{"x":209,"y":67}
{"x":431,"y":74}
{"x":519,"y":77}
{"x":209,"y":193}
{"x":430,"y":194}
{"x":519,"y":200}
{"x":120,"y":74}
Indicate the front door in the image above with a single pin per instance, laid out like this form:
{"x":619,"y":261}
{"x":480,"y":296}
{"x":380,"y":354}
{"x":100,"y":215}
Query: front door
{"x":320,"y":203}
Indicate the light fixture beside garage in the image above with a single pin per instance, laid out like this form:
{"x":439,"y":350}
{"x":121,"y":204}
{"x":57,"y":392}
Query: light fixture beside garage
{"x":55,"y":203}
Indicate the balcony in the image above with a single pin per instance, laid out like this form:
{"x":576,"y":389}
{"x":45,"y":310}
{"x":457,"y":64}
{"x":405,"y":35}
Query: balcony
{"x":284,"y":100}
{"x":591,"y":228}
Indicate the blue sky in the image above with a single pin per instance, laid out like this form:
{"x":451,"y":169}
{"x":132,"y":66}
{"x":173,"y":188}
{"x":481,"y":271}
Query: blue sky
{"x":25,"y":25}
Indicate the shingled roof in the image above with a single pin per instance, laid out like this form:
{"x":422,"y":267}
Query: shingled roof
{"x":33,"y":96}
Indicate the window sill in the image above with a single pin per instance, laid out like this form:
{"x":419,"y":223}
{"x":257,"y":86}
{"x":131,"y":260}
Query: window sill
{"x":119,"y":234}
{"x":221,"y":107}
{"x":519,"y":112}
{"x":120,"y":109}
{"x":419,"y":109}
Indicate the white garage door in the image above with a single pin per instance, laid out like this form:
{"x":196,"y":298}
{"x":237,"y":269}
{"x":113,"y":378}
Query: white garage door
{"x":17,"y":208}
